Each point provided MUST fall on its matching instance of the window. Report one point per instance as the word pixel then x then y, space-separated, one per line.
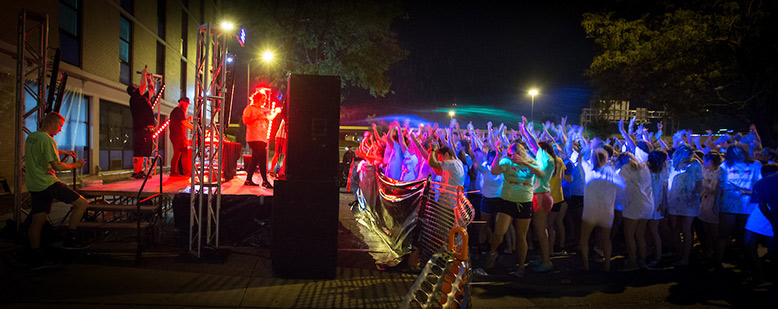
pixel 115 136
pixel 125 51
pixel 184 32
pixel 161 60
pixel 69 31
pixel 183 78
pixel 75 131
pixel 127 5
pixel 161 12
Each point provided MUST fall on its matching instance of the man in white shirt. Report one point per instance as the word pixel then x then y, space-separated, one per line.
pixel 446 164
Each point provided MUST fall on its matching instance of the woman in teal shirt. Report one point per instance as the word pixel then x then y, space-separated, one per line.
pixel 519 171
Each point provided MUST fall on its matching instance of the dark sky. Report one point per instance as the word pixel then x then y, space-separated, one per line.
pixel 490 54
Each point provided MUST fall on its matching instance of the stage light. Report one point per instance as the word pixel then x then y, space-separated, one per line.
pixel 227 26
pixel 229 59
pixel 451 113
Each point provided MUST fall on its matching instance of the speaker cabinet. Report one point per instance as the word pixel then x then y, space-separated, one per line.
pixel 313 122
pixel 304 239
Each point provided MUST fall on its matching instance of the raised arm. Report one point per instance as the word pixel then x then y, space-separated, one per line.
pixel 627 137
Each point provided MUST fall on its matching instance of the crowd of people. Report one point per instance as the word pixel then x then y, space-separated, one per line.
pixel 658 197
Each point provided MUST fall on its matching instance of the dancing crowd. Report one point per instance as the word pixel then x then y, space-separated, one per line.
pixel 660 197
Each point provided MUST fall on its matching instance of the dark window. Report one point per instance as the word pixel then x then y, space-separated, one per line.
pixel 127 5
pixel 125 50
pixel 115 136
pixel 161 12
pixel 183 78
pixel 184 32
pixel 69 31
pixel 161 60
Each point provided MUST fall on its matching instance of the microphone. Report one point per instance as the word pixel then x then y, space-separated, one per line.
pixel 152 75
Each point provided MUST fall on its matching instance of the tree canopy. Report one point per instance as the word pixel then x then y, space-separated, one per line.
pixel 690 58
pixel 351 39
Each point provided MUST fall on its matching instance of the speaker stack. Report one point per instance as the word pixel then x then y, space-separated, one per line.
pixel 305 205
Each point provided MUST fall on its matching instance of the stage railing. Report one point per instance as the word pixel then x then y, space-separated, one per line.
pixel 153 165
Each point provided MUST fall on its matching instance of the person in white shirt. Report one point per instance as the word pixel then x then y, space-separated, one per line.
pixel 445 163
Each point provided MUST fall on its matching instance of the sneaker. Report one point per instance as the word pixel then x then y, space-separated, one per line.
pixel 267 184
pixel 73 243
pixel 480 271
pixel 542 268
pixel 39 261
pixel 490 259
pixel 518 272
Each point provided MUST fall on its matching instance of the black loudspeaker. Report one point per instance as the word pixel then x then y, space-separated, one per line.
pixel 313 121
pixel 304 239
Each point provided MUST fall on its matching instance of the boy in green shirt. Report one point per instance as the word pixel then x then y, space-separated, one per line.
pixel 42 159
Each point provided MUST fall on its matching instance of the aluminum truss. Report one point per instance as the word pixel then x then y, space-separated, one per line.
pixel 31 65
pixel 207 137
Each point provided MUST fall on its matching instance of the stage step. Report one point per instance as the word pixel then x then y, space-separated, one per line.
pixel 113 225
pixel 122 208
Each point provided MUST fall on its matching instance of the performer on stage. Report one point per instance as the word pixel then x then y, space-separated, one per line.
pixel 42 159
pixel 256 117
pixel 142 122
pixel 178 125
pixel 280 149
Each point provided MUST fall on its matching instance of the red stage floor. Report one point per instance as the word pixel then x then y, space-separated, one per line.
pixel 172 186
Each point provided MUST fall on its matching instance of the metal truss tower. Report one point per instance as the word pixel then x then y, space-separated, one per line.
pixel 207 137
pixel 31 66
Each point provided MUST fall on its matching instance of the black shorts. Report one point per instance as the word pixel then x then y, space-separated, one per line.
pixel 557 206
pixel 516 210
pixel 574 201
pixel 490 205
pixel 41 200
pixel 141 143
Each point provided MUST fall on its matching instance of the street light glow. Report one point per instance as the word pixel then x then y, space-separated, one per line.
pixel 451 113
pixel 227 26
pixel 268 56
pixel 533 92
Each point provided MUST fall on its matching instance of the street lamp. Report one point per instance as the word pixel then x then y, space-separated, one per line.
pixel 533 93
pixel 267 57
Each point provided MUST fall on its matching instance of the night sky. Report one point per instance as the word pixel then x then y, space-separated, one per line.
pixel 484 55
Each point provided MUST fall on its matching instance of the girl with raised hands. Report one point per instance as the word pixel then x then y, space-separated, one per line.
pixel 519 171
pixel 683 199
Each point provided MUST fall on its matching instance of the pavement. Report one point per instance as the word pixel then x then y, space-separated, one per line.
pixel 105 277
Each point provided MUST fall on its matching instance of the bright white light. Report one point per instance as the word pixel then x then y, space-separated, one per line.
pixel 229 59
pixel 452 113
pixel 267 56
pixel 533 92
pixel 227 25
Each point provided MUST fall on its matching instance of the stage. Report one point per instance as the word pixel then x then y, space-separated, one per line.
pixel 243 208
pixel 172 186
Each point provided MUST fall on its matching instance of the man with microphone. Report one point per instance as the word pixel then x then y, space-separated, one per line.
pixel 142 122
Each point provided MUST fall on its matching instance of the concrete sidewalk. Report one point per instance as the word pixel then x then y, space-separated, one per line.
pixel 105 278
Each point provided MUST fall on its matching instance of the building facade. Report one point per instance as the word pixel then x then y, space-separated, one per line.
pixel 103 44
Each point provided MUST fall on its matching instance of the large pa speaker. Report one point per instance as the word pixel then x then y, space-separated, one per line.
pixel 313 122
pixel 304 239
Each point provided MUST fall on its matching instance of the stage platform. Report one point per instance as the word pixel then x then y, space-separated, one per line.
pixel 172 186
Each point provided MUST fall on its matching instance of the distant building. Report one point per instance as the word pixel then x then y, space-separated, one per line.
pixel 616 110
pixel 103 43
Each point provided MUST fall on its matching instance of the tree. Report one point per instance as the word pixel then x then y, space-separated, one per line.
pixel 691 58
pixel 351 39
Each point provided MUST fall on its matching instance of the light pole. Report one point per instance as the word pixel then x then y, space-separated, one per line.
pixel 533 93
pixel 267 57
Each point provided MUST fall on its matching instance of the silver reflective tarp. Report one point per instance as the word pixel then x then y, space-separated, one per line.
pixel 387 211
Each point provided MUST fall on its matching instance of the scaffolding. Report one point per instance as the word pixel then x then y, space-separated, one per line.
pixel 31 65
pixel 207 140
